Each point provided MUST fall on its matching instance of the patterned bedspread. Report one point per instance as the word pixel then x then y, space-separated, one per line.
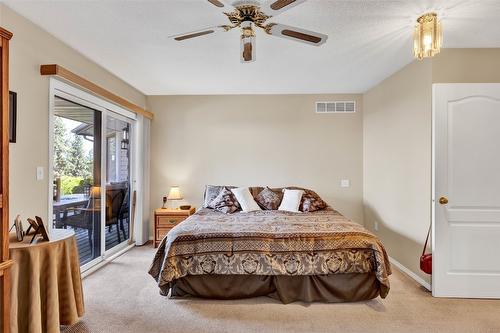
pixel 269 243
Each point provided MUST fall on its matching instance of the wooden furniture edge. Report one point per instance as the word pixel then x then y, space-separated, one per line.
pixel 6 265
pixel 57 70
pixel 5 34
pixel 164 212
pixel 175 212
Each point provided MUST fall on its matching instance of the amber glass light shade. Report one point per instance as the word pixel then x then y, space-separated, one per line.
pixel 428 36
pixel 95 192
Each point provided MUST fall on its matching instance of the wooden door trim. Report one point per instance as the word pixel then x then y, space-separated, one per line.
pixel 5 263
pixel 5 34
pixel 5 148
pixel 57 70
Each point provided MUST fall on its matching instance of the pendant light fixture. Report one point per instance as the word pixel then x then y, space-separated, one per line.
pixel 428 36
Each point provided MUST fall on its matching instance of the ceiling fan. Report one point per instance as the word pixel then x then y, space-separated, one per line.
pixel 248 14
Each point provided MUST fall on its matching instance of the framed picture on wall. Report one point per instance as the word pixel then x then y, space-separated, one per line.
pixel 12 116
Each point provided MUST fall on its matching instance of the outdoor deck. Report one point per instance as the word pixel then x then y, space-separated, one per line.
pixel 82 240
pixel 78 205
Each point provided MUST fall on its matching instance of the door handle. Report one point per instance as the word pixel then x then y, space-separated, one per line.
pixel 443 200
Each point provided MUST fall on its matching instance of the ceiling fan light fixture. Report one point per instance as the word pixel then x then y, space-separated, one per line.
pixel 247 49
pixel 248 15
pixel 247 29
pixel 428 36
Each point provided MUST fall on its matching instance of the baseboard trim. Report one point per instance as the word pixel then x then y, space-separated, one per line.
pixel 410 273
pixel 106 261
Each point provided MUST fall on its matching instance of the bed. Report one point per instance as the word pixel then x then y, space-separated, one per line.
pixel 318 256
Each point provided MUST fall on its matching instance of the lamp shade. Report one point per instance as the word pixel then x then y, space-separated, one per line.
pixel 175 193
pixel 95 192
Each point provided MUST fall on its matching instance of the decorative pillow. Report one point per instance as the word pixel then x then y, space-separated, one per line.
pixel 225 202
pixel 211 192
pixel 245 199
pixel 255 190
pixel 311 202
pixel 268 199
pixel 291 200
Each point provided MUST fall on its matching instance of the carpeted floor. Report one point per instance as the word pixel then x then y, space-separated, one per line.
pixel 122 297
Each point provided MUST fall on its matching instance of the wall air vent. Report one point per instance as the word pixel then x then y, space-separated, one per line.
pixel 336 107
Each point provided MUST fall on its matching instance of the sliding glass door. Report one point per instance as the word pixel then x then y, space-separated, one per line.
pixel 118 184
pixel 91 168
pixel 76 201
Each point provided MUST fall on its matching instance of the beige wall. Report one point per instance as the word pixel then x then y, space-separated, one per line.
pixel 31 47
pixel 397 146
pixel 397 161
pixel 273 140
pixel 466 65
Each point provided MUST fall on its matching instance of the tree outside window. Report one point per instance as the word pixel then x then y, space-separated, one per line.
pixel 73 157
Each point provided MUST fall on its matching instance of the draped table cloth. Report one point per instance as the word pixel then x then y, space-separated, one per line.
pixel 46 288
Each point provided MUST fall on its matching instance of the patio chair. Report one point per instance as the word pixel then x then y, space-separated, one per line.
pixel 114 202
pixel 123 216
pixel 83 218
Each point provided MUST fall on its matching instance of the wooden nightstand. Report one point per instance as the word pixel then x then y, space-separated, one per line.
pixel 166 219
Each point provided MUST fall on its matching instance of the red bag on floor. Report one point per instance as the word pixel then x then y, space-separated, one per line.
pixel 426 258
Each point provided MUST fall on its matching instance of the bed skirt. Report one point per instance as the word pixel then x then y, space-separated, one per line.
pixel 332 288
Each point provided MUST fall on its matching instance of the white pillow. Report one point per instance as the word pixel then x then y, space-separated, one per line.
pixel 245 199
pixel 291 200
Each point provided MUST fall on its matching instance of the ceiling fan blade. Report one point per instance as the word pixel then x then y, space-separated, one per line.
pixel 223 4
pixel 247 49
pixel 198 33
pixel 297 34
pixel 275 7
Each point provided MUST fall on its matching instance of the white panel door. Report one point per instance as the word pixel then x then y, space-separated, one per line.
pixel 466 211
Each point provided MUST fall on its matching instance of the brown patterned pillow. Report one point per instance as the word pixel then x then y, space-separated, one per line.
pixel 225 202
pixel 311 202
pixel 268 199
pixel 255 190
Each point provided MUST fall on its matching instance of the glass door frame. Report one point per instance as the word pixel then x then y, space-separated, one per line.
pixel 79 96
pixel 104 158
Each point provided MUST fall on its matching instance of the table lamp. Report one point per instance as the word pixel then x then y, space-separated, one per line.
pixel 95 192
pixel 174 194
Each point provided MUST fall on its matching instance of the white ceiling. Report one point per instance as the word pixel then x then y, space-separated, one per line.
pixel 368 41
